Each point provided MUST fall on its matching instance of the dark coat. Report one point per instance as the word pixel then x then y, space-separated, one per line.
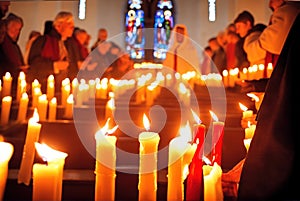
pixel 271 168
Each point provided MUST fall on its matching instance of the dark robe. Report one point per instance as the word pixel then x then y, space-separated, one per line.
pixel 271 170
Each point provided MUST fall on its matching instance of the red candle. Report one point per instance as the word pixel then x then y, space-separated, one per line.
pixel 194 189
pixel 217 139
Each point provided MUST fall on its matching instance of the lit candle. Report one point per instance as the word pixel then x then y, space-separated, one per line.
pixel 195 178
pixel 269 70
pixel 212 182
pixel 257 98
pixel 52 109
pixel 110 107
pixel 5 110
pixel 50 87
pixel 69 107
pixel 47 178
pixel 246 113
pixel 23 106
pixel 21 85
pixel 32 136
pixel 244 74
pixel 35 97
pixel 74 85
pixel 105 163
pixel 181 153
pixel 249 132
pixel 35 84
pixel 247 143
pixel 42 107
pixel 217 139
pixel 225 78
pixel 148 163
pixel 7 82
pixel 6 151
pixel 65 92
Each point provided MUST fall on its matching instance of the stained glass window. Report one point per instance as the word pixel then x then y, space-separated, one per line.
pixel 135 23
pixel 163 25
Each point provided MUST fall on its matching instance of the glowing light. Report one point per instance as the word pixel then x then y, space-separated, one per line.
pixel 146 122
pixel 82 9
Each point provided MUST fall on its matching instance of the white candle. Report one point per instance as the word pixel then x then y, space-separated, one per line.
pixel 52 109
pixel 65 92
pixel 32 136
pixel 225 78
pixel 5 110
pixel 212 183
pixel 47 178
pixel 35 84
pixel 148 163
pixel 246 113
pixel 42 107
pixel 105 164
pixel 69 107
pixel 23 106
pixel 181 152
pixel 35 97
pixel 21 85
pixel 6 151
pixel 7 82
pixel 50 87
pixel 269 70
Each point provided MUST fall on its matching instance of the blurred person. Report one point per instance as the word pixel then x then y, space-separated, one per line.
pixel 11 57
pixel 182 54
pixel 219 55
pixel 51 55
pixel 206 62
pixel 101 37
pixel 32 36
pixel 249 31
pixel 4 7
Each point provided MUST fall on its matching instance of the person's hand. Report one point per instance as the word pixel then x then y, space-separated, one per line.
pixel 245 86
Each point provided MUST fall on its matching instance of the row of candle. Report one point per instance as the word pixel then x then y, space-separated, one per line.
pixel 181 153
pixel 254 72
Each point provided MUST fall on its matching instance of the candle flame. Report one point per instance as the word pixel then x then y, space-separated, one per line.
pixel 196 117
pixel 49 154
pixel 50 78
pixel 243 107
pixel 7 99
pixel 70 99
pixel 186 132
pixel 249 124
pixel 253 96
pixel 105 129
pixel 206 160
pixel 6 151
pixel 21 75
pixel 35 117
pixel 7 75
pixel 24 95
pixel 213 115
pixel 53 100
pixel 146 122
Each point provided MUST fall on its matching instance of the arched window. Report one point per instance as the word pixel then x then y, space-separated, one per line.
pixel 163 24
pixel 135 23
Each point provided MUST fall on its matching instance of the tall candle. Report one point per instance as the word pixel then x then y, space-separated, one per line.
pixel 52 109
pixel 217 139
pixel 35 84
pixel 32 136
pixel 6 151
pixel 5 110
pixel 148 163
pixel 47 178
pixel 69 107
pixel 181 152
pixel 225 78
pixel 110 107
pixel 50 87
pixel 105 164
pixel 21 85
pixel 65 92
pixel 212 182
pixel 35 97
pixel 7 82
pixel 195 178
pixel 23 106
pixel 42 107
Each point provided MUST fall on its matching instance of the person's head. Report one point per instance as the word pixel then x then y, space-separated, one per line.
pixel 14 25
pixel 48 25
pixel 2 30
pixel 243 23
pixel 4 7
pixel 213 44
pixel 81 35
pixel 231 27
pixel 180 34
pixel 64 24
pixel 274 4
pixel 102 34
pixel 208 51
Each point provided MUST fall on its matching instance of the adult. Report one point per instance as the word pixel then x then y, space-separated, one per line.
pixel 101 37
pixel 4 7
pixel 219 55
pixel 51 55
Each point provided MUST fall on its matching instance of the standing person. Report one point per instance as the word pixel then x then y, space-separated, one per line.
pixel 102 36
pixel 51 55
pixel 182 55
pixel 4 7
pixel 32 36
pixel 245 27
pixel 271 167
pixel 219 55
pixel 11 57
